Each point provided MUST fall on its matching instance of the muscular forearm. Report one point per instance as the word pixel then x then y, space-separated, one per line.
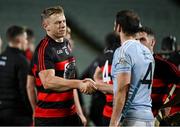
pixel 60 84
pixel 104 87
pixel 50 81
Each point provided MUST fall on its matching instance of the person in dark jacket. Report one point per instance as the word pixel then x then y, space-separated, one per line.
pixel 14 104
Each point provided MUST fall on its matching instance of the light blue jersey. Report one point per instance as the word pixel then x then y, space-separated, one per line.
pixel 134 58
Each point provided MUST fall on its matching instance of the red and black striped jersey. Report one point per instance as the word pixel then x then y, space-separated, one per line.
pixel 165 74
pixel 105 63
pixel 50 54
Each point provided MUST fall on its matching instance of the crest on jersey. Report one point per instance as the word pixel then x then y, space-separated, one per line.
pixel 122 61
pixel 70 70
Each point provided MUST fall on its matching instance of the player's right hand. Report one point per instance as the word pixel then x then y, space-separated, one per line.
pixel 88 86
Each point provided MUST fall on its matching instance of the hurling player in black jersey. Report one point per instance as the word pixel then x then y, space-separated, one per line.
pixel 53 68
pixel 102 75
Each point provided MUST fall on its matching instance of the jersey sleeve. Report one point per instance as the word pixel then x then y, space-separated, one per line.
pixel 45 59
pixel 123 62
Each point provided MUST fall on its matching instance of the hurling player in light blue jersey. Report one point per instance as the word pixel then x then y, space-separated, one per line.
pixel 132 72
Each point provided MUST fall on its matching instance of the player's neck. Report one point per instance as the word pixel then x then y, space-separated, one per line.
pixel 59 40
pixel 15 45
pixel 124 38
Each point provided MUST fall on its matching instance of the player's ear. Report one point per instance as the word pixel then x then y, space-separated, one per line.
pixel 117 28
pixel 45 25
pixel 153 42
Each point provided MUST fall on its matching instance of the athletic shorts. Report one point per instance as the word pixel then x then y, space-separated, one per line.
pixel 137 123
pixel 72 120
pixel 105 121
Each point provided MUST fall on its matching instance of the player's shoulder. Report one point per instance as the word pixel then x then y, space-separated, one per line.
pixel 129 47
pixel 117 51
pixel 129 44
pixel 42 48
pixel 43 44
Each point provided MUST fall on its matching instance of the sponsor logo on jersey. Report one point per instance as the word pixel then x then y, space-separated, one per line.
pixel 59 51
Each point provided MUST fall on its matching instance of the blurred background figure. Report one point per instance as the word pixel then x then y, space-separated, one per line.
pixel 170 50
pixel 14 105
pixel 30 45
pixel 169 44
pixel 103 74
pixel 68 36
pixel 1 44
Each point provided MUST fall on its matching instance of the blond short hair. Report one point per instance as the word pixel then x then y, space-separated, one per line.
pixel 50 11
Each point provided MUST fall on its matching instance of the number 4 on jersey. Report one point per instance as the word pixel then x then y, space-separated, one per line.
pixel 106 77
pixel 148 76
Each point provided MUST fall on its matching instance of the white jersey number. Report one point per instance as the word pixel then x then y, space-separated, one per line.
pixel 106 77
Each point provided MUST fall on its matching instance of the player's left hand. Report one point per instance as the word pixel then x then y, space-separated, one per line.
pixel 83 120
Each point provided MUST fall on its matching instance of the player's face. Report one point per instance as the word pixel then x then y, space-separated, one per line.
pixel 146 40
pixel 142 36
pixel 56 25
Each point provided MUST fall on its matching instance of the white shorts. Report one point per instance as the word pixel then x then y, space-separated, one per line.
pixel 137 123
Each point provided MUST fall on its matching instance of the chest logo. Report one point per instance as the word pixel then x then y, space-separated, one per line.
pixel 59 51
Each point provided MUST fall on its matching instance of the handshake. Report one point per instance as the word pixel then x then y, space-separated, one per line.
pixel 88 86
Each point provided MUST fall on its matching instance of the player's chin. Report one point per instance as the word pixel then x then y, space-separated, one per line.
pixel 60 35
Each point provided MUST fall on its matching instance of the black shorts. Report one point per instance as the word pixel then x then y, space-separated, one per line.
pixel 105 121
pixel 72 120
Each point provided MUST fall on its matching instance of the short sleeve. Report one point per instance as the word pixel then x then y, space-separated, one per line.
pixel 45 59
pixel 123 62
